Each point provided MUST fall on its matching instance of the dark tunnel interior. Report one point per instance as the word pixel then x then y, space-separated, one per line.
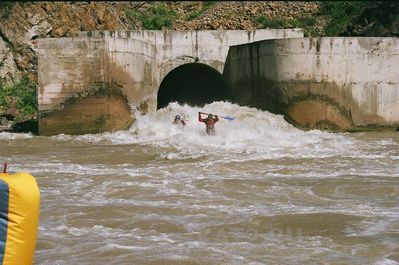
pixel 194 84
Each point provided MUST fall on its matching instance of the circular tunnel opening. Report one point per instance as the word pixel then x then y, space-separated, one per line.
pixel 194 84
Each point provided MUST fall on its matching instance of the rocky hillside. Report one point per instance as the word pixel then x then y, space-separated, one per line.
pixel 21 24
pixel 231 15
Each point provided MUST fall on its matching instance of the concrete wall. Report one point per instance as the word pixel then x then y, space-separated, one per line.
pixel 75 92
pixel 68 68
pixel 327 83
pixel 209 46
pixel 127 65
pixel 132 70
pixel 175 48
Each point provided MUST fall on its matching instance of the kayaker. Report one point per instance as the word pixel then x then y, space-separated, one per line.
pixel 178 121
pixel 209 122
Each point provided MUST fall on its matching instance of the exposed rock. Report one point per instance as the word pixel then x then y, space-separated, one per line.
pixel 28 21
pixel 21 23
pixel 240 15
pixel 8 68
pixel 11 110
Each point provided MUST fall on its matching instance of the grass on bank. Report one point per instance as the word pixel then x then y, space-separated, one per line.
pixel 307 22
pixel 205 6
pixel 21 94
pixel 340 14
pixel 158 16
pixel 337 13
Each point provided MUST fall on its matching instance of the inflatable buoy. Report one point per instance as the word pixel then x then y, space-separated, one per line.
pixel 19 218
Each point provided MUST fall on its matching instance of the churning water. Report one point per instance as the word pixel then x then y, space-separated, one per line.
pixel 259 192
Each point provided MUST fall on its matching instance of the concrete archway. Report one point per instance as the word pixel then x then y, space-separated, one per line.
pixel 195 84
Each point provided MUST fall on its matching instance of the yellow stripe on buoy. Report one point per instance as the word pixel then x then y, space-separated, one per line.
pixel 19 218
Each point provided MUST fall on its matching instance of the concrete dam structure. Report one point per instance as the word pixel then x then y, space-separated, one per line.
pixel 91 82
pixel 340 83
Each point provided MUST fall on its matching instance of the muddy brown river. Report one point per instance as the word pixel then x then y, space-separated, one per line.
pixel 259 192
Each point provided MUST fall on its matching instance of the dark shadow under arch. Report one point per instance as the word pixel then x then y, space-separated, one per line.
pixel 194 84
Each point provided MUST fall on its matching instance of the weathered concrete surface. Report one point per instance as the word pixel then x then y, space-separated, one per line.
pixel 95 114
pixel 80 68
pixel 131 64
pixel 70 69
pixel 326 83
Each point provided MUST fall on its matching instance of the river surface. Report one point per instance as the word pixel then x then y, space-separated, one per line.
pixel 259 192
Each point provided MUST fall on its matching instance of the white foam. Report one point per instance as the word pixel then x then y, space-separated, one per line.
pixel 14 136
pixel 386 262
pixel 118 246
pixel 253 132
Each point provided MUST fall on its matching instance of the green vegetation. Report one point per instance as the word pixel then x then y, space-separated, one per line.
pixel 337 14
pixel 158 16
pixel 6 8
pixel 307 23
pixel 304 22
pixel 205 6
pixel 340 14
pixel 208 4
pixel 22 95
pixel 193 15
pixel 276 22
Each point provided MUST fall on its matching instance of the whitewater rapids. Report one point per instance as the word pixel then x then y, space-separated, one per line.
pixel 258 192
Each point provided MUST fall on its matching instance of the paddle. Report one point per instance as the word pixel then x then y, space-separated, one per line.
pixel 226 117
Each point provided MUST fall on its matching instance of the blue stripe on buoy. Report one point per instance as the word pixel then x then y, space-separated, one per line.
pixel 4 195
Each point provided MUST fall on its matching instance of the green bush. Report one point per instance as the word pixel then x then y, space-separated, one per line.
pixel 304 22
pixel 340 14
pixel 23 94
pixel 307 23
pixel 208 4
pixel 205 6
pixel 158 16
pixel 193 15
pixel 6 9
pixel 132 14
pixel 276 22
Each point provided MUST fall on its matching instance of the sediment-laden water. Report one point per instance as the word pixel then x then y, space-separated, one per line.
pixel 259 192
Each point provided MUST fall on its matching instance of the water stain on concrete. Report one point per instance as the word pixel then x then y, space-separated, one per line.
pixel 92 114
